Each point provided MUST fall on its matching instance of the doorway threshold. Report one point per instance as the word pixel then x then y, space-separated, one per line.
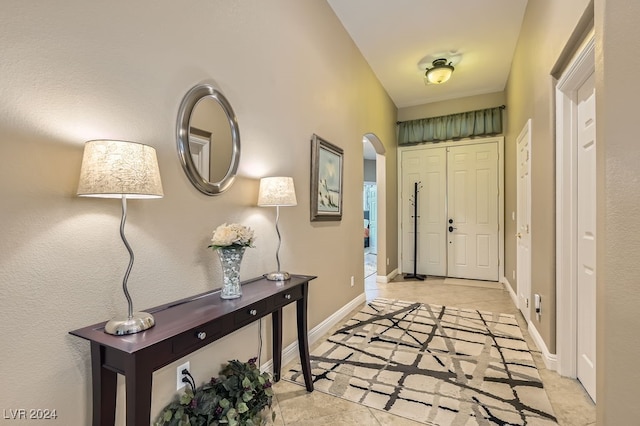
pixel 473 283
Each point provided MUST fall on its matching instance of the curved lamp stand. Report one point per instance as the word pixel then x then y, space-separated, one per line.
pixel 277 191
pixel 278 275
pixel 121 169
pixel 135 322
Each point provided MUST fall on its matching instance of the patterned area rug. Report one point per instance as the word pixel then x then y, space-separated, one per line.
pixel 433 364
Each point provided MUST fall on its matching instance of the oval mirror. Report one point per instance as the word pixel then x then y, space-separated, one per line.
pixel 208 139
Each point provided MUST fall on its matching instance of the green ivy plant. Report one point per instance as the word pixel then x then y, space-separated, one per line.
pixel 237 397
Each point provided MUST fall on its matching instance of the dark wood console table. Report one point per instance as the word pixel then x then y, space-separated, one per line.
pixel 181 328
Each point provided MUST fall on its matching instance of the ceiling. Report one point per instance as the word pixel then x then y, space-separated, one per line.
pixel 400 38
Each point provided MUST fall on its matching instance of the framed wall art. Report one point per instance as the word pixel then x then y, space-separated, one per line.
pixel 326 180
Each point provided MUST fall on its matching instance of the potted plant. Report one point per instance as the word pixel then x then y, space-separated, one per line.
pixel 239 396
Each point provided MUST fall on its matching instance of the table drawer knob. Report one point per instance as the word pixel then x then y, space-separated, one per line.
pixel 253 312
pixel 287 296
pixel 202 335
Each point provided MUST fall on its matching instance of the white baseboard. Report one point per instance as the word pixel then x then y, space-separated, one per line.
pixel 387 278
pixel 291 352
pixel 509 288
pixel 550 360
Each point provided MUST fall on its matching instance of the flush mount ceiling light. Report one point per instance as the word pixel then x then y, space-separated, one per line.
pixel 440 72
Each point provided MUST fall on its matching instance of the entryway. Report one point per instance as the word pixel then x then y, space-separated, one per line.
pixel 451 201
pixel 370 210
pixel 373 206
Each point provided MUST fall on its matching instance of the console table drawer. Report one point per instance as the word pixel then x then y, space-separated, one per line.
pixel 286 297
pixel 202 335
pixel 250 313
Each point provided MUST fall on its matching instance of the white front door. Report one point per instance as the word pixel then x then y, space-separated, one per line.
pixel 428 168
pixel 472 226
pixel 523 222
pixel 586 247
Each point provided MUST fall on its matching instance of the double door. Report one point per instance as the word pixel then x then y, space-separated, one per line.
pixel 457 208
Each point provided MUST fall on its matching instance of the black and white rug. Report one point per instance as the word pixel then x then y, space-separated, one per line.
pixel 434 364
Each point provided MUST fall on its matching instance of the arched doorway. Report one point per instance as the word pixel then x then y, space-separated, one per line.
pixel 374 207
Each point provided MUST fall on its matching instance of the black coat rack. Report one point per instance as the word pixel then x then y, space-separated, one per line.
pixel 414 201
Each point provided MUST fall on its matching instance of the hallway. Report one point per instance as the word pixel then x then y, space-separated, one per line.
pixel 294 406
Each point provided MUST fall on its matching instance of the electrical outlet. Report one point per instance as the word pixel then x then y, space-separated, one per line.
pixel 179 383
pixel 513 274
pixel 537 304
pixel 387 261
pixel 352 281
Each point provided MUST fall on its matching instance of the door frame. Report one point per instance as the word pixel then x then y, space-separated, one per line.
pixel 523 275
pixel 580 68
pixel 477 141
pixel 382 275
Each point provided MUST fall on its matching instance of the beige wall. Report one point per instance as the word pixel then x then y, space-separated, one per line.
pixel 453 106
pixel 74 71
pixel 546 28
pixel 618 195
pixel 369 170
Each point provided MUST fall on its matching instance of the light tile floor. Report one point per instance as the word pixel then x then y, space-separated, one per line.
pixel 295 406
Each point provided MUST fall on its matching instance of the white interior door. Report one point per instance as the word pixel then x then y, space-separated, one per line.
pixel 523 221
pixel 472 226
pixel 586 233
pixel 428 167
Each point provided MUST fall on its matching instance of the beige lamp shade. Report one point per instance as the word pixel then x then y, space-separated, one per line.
pixel 112 169
pixel 277 191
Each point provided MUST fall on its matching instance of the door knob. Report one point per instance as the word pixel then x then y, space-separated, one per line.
pixel 519 235
pixel 450 220
pixel 451 229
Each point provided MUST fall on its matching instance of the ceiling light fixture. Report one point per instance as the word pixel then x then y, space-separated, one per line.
pixel 440 73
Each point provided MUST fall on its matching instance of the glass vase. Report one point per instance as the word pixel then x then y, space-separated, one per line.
pixel 230 259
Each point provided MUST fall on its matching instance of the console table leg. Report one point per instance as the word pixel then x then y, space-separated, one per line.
pixel 303 338
pixel 104 388
pixel 138 380
pixel 276 325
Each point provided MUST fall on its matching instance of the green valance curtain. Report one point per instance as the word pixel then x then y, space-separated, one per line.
pixel 482 122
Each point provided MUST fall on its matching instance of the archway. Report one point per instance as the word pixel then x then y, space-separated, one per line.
pixel 374 151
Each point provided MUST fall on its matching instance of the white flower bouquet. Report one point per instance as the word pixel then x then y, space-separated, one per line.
pixel 232 235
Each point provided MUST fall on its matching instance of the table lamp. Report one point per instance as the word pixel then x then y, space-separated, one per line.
pixel 120 169
pixel 277 191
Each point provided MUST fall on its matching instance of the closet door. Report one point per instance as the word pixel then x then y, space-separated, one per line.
pixel 472 227
pixel 428 167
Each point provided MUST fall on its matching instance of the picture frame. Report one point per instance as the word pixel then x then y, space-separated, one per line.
pixel 327 163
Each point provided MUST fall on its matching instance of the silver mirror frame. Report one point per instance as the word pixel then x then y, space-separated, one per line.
pixel 184 152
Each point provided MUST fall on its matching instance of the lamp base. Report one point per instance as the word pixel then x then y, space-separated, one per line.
pixel 138 322
pixel 277 276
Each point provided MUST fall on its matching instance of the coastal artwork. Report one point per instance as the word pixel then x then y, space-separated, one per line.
pixel 326 180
